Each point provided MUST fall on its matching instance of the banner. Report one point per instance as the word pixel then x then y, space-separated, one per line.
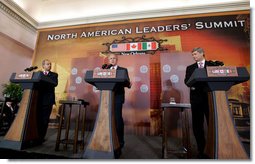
pixel 156 78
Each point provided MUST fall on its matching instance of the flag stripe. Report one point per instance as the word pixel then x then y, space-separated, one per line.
pixel 144 45
pixel 139 46
pixel 128 46
pixel 153 45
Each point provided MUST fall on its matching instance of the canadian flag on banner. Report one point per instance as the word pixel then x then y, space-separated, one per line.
pixel 132 46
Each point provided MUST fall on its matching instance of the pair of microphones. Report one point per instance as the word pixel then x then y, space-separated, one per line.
pixel 29 69
pixel 216 63
pixel 106 66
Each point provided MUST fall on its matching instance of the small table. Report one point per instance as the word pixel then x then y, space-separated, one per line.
pixel 66 140
pixel 185 127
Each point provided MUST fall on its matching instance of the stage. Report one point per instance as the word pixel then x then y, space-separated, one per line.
pixel 136 147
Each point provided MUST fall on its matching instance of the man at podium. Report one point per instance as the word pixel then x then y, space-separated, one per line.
pixel 46 99
pixel 119 93
pixel 198 99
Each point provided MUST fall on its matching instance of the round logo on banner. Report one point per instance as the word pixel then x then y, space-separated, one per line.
pixel 78 80
pixel 174 79
pixel 143 69
pixel 74 71
pixel 166 68
pixel 72 88
pixel 144 88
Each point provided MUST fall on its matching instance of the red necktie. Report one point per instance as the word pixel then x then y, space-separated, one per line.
pixel 45 73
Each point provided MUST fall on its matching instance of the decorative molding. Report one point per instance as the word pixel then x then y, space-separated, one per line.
pixel 180 11
pixel 18 10
pixel 9 12
pixel 237 6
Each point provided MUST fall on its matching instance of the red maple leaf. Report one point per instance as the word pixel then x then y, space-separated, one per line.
pixel 133 46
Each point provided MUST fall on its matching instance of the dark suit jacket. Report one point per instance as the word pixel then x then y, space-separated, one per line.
pixel 197 92
pixel 47 91
pixel 119 89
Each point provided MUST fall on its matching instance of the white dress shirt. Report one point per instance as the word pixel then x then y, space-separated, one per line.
pixel 114 67
pixel 202 64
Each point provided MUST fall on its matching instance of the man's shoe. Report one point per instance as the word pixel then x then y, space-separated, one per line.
pixel 117 153
pixel 122 144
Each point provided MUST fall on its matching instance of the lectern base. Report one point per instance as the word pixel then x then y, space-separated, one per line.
pixel 18 145
pixel 24 127
pixel 223 141
pixel 15 145
pixel 104 140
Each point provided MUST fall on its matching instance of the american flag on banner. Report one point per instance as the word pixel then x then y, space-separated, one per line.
pixel 118 47
pixel 136 46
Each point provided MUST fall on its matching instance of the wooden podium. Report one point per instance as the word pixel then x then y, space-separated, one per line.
pixel 23 130
pixel 222 141
pixel 104 142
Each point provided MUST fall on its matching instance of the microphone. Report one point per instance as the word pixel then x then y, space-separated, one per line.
pixel 104 66
pixel 219 63
pixel 109 66
pixel 29 69
pixel 216 63
pixel 35 67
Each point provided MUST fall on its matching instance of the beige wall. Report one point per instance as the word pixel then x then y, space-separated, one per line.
pixel 11 25
pixel 14 57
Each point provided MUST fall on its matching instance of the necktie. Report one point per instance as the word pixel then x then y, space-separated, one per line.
pixel 45 73
pixel 200 64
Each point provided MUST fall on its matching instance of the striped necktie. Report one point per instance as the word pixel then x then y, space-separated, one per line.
pixel 200 65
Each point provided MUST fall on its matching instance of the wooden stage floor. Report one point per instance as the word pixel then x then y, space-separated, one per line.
pixel 136 147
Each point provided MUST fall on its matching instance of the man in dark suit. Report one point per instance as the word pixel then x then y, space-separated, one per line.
pixel 198 100
pixel 119 93
pixel 46 98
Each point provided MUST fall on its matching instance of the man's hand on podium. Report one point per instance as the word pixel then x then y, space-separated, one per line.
pixel 130 84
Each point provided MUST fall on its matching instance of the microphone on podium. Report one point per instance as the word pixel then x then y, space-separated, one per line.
pixel 216 63
pixel 219 63
pixel 29 69
pixel 109 66
pixel 106 66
